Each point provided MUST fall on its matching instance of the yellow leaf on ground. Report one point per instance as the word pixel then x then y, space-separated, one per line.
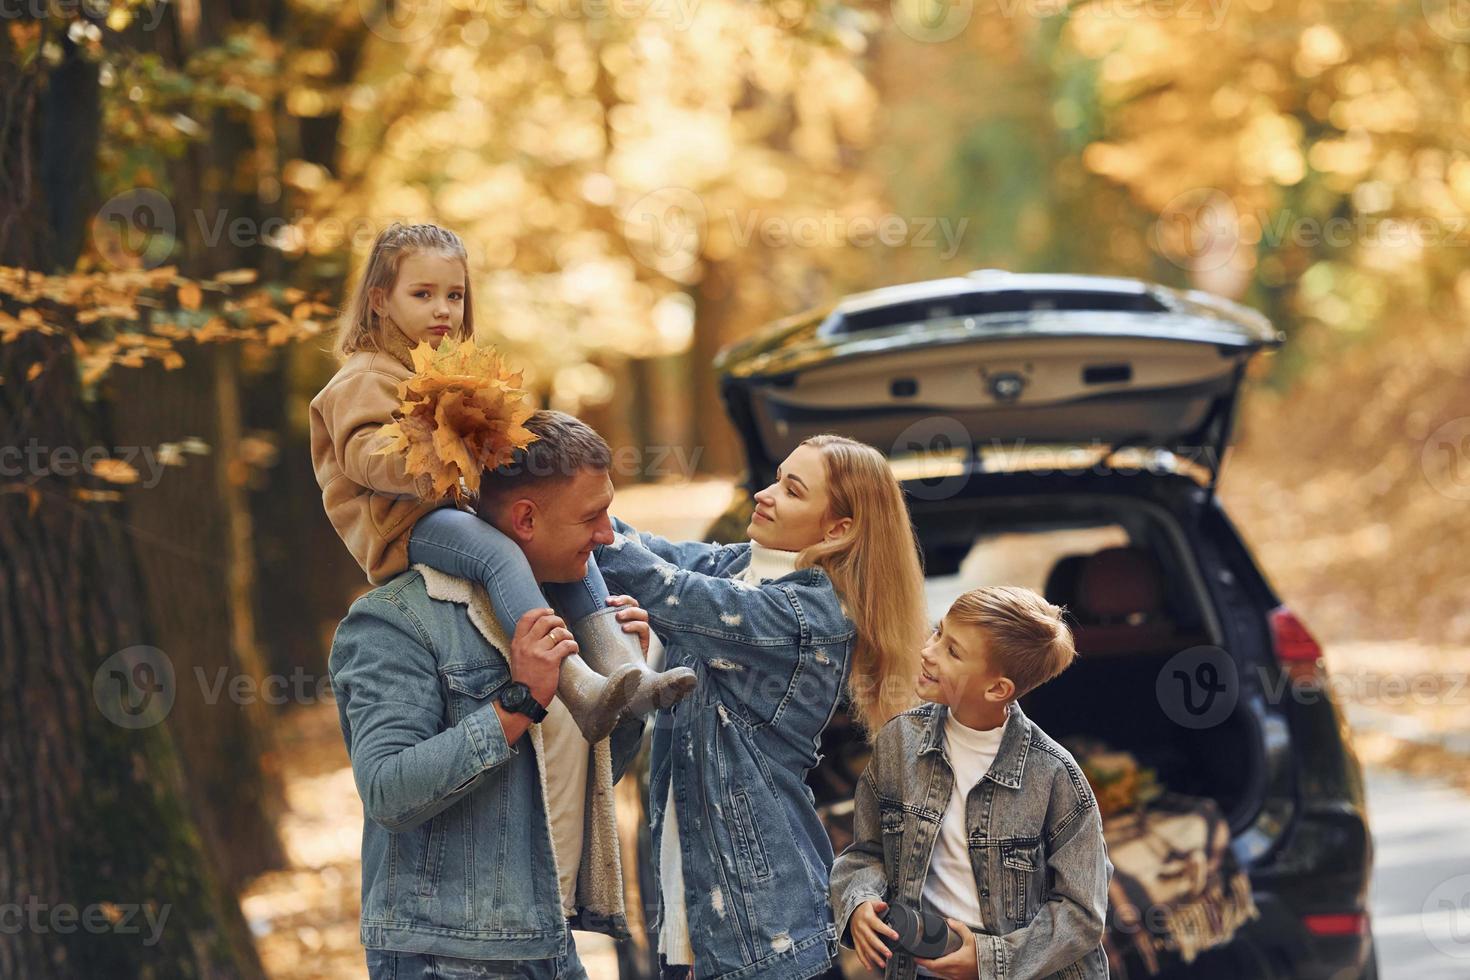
pixel 115 471
pixel 190 296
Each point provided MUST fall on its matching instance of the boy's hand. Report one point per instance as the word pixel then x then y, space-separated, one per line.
pixel 633 617
pixel 959 965
pixel 541 643
pixel 867 930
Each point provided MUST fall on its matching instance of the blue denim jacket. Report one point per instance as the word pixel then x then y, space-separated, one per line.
pixel 771 661
pixel 1036 847
pixel 457 854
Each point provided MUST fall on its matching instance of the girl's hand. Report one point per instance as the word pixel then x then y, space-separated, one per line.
pixel 959 965
pixel 633 617
pixel 867 929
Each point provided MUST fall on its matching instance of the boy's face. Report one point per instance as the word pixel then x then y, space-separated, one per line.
pixel 955 668
pixel 427 301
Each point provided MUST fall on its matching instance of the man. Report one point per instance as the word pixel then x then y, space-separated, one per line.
pixel 489 827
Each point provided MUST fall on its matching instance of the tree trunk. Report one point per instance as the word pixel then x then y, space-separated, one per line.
pixel 100 856
pixel 100 860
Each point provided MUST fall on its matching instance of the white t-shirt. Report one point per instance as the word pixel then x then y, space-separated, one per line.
pixel 565 765
pixel 949 888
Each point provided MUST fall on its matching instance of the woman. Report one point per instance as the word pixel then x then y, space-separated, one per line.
pixel 828 593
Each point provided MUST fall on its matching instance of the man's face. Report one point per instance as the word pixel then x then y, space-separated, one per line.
pixel 562 523
pixel 955 667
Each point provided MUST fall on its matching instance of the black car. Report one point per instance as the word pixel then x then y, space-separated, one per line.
pixel 1066 433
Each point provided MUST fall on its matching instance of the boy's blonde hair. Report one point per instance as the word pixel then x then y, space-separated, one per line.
pixel 360 326
pixel 1028 640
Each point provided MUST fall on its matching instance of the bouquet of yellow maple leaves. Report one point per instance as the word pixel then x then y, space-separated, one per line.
pixel 462 413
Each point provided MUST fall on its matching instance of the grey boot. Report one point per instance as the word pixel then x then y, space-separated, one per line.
pixel 607 648
pixel 595 702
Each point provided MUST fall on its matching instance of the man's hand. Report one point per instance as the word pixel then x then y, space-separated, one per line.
pixel 959 965
pixel 867 928
pixel 541 643
pixel 633 617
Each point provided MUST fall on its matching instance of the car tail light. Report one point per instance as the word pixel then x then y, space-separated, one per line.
pixel 1339 924
pixel 1297 650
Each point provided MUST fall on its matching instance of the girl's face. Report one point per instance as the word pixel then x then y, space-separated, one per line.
pixel 427 301
pixel 792 513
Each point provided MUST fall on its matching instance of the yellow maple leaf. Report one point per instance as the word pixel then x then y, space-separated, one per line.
pixel 461 413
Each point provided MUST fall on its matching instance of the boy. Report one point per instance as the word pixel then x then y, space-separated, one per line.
pixel 970 810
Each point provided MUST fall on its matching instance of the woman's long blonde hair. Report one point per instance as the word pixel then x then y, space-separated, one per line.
pixel 361 326
pixel 876 572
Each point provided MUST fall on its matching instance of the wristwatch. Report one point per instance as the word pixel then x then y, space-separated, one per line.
pixel 516 697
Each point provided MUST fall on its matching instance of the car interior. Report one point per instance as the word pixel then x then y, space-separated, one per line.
pixel 1134 598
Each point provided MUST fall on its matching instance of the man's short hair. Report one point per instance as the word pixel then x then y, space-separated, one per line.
pixel 565 446
pixel 1027 638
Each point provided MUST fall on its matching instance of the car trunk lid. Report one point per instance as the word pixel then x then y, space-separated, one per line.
pixel 997 358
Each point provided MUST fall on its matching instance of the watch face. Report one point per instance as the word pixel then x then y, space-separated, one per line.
pixel 514 696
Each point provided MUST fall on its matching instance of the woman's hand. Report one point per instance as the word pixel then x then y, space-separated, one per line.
pixel 868 928
pixel 959 965
pixel 633 617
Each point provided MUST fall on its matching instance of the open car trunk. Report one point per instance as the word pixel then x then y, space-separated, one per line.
pixel 995 356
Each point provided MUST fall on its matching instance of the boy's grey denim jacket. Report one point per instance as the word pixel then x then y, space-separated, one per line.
pixel 771 661
pixel 457 854
pixel 1036 847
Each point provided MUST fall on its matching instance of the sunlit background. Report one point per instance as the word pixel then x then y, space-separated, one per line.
pixel 188 188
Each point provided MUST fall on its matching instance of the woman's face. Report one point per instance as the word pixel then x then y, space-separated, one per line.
pixel 792 513
pixel 427 301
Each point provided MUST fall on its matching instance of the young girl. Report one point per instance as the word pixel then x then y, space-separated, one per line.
pixel 827 597
pixel 415 290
